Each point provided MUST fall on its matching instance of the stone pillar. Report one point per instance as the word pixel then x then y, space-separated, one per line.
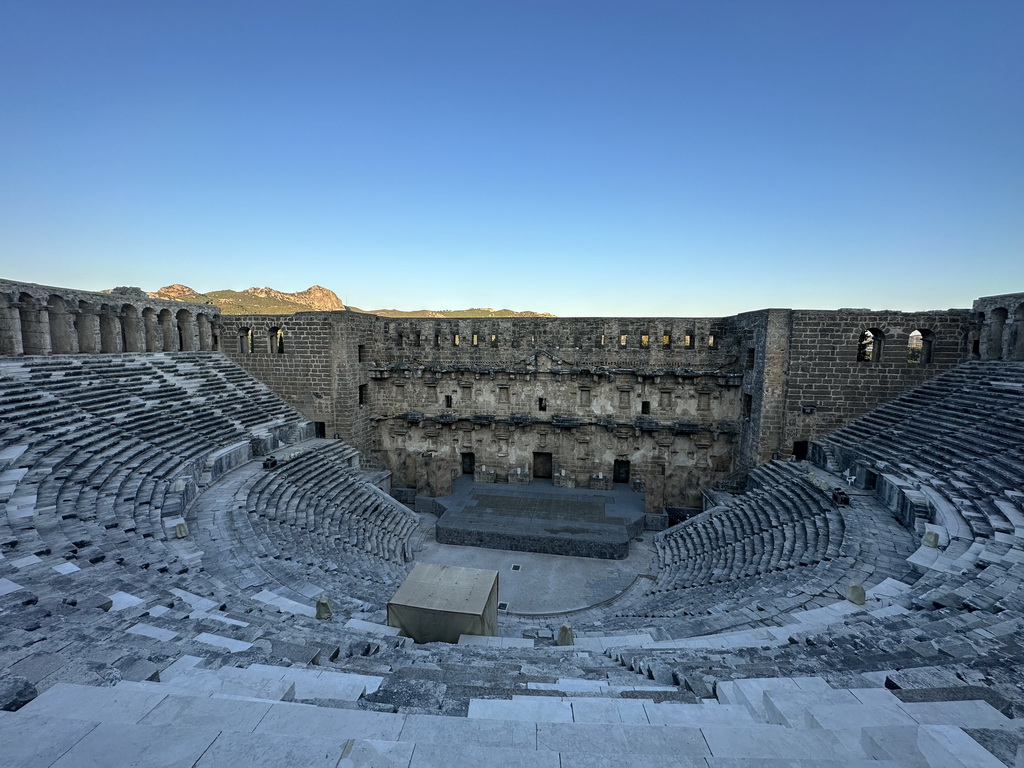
pixel 10 331
pixel 131 329
pixel 110 331
pixel 186 331
pixel 151 331
pixel 35 327
pixel 205 336
pixel 63 337
pixel 88 329
pixel 170 332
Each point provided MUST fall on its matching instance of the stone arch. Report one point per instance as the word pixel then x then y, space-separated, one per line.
pixel 168 331
pixel 63 339
pixel 35 326
pixel 995 333
pixel 871 345
pixel 275 340
pixel 921 346
pixel 1017 350
pixel 131 329
pixel 110 330
pixel 245 341
pixel 87 323
pixel 151 330
pixel 203 331
pixel 186 331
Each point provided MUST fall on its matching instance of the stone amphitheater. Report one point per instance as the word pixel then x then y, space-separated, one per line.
pixel 830 573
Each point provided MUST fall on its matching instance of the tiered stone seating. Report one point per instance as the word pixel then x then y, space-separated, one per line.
pixel 742 642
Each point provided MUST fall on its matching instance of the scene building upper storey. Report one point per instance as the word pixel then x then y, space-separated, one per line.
pixel 673 406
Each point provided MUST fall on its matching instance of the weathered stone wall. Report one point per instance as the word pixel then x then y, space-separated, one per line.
pixel 827 385
pixel 311 359
pixel 997 327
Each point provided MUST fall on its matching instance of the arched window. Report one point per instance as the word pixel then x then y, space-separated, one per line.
pixel 275 341
pixel 870 345
pixel 244 341
pixel 919 347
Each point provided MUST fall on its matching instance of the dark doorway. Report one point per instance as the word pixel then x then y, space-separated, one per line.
pixel 468 463
pixel 620 474
pixel 320 428
pixel 542 465
pixel 800 450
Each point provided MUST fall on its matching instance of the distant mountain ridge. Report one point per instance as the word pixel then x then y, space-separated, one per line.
pixel 316 298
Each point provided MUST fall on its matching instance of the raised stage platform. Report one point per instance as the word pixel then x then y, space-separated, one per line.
pixel 541 518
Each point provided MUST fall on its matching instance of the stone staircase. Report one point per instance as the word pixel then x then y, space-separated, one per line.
pixel 283 716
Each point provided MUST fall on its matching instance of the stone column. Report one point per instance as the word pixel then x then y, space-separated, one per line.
pixel 10 331
pixel 35 328
pixel 186 330
pixel 88 329
pixel 205 336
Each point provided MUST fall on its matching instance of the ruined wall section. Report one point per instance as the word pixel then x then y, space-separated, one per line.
pixel 766 338
pixel 828 385
pixel 352 335
pixel 312 360
pixel 997 327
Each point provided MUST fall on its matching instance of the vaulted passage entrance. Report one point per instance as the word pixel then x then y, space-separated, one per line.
pixel 468 463
pixel 621 472
pixel 542 465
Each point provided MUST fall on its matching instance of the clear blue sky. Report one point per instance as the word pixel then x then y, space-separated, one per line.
pixel 580 158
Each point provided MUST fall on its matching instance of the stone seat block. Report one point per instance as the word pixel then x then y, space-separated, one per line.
pixel 926 746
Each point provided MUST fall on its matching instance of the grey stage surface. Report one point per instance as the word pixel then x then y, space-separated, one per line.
pixel 541 518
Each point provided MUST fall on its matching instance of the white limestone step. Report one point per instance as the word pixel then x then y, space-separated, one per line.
pixel 602 687
pixel 496 642
pixel 926 746
pixel 550 709
pixel 790 707
pixel 320 683
pixel 750 692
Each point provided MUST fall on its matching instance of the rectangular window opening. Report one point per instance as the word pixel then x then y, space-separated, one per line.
pixel 666 340
pixel 362 394
pixel 645 407
pixel 542 404
pixel 361 353
pixel 447 401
